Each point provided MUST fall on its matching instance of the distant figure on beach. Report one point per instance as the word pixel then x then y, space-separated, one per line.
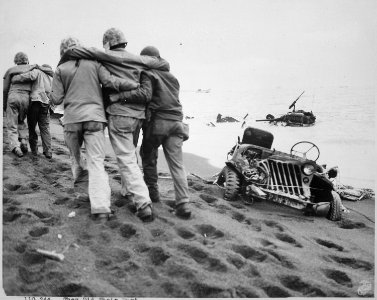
pixel 77 84
pixel 163 126
pixel 221 119
pixel 124 119
pixel 41 78
pixel 16 97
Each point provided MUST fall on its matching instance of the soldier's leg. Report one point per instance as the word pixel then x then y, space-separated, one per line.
pixel 23 132
pixel 149 156
pixel 32 120
pixel 12 121
pixel 172 147
pixel 73 136
pixel 121 138
pixel 99 187
pixel 44 128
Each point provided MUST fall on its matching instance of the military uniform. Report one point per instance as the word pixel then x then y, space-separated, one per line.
pixel 41 79
pixel 16 98
pixel 160 90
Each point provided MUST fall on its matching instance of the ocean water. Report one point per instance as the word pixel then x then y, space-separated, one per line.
pixel 344 130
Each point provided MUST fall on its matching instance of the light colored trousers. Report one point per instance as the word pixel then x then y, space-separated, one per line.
pixel 92 134
pixel 121 130
pixel 17 109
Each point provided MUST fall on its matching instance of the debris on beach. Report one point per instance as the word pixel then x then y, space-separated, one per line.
pixel 51 254
pixel 292 118
pixel 71 214
pixel 227 119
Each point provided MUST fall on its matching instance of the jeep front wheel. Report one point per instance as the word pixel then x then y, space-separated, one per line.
pixel 232 184
pixel 335 211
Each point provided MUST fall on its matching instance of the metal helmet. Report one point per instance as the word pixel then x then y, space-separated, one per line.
pixel 114 37
pixel 21 58
pixel 67 43
pixel 150 51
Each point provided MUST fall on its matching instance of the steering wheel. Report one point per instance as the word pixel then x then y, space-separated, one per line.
pixel 304 148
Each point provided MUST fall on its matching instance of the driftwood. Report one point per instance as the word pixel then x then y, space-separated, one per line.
pixel 51 254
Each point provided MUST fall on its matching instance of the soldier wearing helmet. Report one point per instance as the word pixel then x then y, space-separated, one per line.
pixel 114 38
pixel 163 126
pixel 16 104
pixel 124 119
pixel 77 84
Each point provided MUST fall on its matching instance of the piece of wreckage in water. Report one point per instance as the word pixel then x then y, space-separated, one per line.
pixel 294 117
pixel 255 171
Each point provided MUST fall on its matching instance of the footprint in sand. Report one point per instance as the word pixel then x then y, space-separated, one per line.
pixel 222 209
pixel 31 274
pixel 127 231
pixel 61 200
pixel 185 233
pixel 20 247
pixel 174 290
pixel 288 239
pixel 208 198
pixel 283 260
pixel 209 231
pixel 274 291
pixel 38 231
pixel 174 270
pixel 241 218
pixel 40 214
pixel 348 224
pixel 338 276
pixel 238 217
pixel 32 258
pixel 10 216
pixel 249 253
pixel 203 290
pixel 267 243
pixel 158 256
pixel 329 244
pixel 245 292
pixel 274 224
pixel 236 261
pixel 11 187
pixel 353 262
pixel 34 186
pixel 296 283
pixel 72 290
pixel 203 258
pixel 119 255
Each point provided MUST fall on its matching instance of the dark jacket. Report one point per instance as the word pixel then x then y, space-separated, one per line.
pixel 160 90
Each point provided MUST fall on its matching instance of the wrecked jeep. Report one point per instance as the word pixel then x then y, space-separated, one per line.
pixel 255 171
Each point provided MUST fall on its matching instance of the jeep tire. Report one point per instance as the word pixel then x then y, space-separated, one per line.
pixel 232 184
pixel 335 211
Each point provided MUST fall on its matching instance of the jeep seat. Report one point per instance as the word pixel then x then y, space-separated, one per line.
pixel 257 137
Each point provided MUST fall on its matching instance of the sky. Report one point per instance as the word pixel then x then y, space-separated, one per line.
pixel 217 44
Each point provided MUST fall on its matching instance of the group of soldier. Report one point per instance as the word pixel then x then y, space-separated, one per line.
pixel 114 89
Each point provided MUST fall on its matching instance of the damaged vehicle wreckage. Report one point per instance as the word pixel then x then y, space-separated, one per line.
pixel 293 118
pixel 255 171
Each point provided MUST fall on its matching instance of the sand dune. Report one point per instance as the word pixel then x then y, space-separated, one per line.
pixel 226 249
